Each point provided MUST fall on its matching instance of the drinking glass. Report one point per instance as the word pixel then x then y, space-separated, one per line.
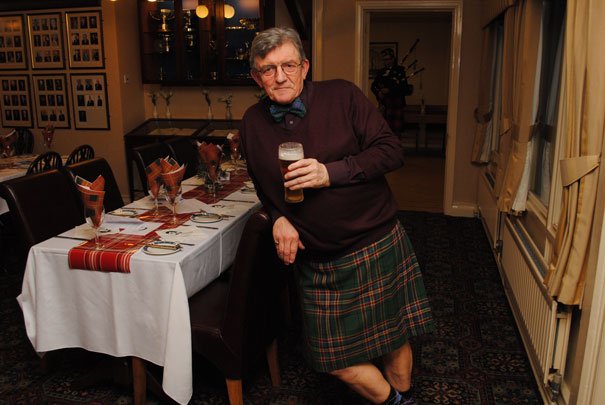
pixel 95 222
pixel 173 199
pixel 288 153
pixel 234 148
pixel 155 196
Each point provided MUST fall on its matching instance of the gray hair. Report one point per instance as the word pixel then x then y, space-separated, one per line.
pixel 270 39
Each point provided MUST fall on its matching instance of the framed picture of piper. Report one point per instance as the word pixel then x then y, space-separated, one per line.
pixel 89 92
pixel 85 39
pixel 12 43
pixel 46 41
pixel 50 98
pixel 15 101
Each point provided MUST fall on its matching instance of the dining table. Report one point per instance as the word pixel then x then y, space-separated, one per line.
pixel 139 311
pixel 13 167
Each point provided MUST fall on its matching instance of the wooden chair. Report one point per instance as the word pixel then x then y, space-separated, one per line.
pixel 185 152
pixel 25 141
pixel 144 155
pixel 47 161
pixel 42 205
pixel 236 318
pixel 90 170
pixel 81 153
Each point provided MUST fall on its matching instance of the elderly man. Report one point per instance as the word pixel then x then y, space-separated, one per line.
pixel 360 285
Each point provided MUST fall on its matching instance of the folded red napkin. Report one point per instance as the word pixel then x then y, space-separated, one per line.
pixel 48 133
pixel 154 178
pixel 233 139
pixel 210 155
pixel 8 143
pixel 92 194
pixel 172 175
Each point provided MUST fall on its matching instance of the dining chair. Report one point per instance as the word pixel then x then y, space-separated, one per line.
pixel 145 155
pixel 25 141
pixel 236 319
pixel 46 161
pixel 90 170
pixel 42 205
pixel 80 153
pixel 185 152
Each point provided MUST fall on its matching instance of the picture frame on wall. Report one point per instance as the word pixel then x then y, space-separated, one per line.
pixel 89 92
pixel 376 62
pixel 15 101
pixel 51 101
pixel 12 43
pixel 85 39
pixel 46 41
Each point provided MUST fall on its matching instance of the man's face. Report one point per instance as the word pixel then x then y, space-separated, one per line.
pixel 282 88
pixel 388 60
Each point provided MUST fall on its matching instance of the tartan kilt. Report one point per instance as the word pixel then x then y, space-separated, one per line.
pixel 363 305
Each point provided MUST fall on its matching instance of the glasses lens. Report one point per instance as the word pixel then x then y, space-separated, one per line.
pixel 289 68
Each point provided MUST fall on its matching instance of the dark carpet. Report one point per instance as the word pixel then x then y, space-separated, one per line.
pixel 475 356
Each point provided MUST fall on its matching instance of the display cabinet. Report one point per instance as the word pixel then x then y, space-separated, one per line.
pixel 203 42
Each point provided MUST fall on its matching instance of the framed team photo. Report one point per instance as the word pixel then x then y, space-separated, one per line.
pixel 15 101
pixel 89 93
pixel 85 39
pixel 12 43
pixel 50 99
pixel 46 41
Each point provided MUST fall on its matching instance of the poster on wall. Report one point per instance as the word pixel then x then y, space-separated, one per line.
pixel 85 39
pixel 16 103
pixel 90 101
pixel 12 43
pixel 46 41
pixel 50 98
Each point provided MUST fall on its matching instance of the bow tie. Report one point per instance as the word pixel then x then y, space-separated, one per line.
pixel 296 107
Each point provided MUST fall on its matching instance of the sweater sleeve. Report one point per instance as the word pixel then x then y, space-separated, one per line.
pixel 380 150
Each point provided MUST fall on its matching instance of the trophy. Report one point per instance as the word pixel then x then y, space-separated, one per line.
pixel 164 31
pixel 189 30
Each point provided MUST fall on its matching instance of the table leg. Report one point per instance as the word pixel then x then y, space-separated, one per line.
pixel 139 381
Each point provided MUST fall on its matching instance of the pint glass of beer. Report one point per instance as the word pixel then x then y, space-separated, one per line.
pixel 289 153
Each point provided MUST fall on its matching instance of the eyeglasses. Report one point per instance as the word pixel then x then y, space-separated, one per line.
pixel 288 68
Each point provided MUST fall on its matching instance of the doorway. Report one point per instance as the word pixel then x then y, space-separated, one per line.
pixel 365 10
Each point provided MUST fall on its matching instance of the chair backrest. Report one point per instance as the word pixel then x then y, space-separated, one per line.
pixel 25 141
pixel 79 154
pixel 42 205
pixel 185 152
pixel 90 170
pixel 247 306
pixel 145 155
pixel 46 161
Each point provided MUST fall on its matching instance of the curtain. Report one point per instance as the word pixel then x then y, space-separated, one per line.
pixel 513 159
pixel 582 124
pixel 493 8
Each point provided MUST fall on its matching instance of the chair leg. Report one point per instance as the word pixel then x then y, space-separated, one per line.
pixel 273 361
pixel 234 389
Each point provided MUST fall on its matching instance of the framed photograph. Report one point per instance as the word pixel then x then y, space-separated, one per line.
pixel 50 98
pixel 12 43
pixel 15 101
pixel 376 62
pixel 46 41
pixel 89 93
pixel 85 39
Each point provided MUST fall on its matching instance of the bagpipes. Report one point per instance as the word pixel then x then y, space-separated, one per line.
pixel 410 88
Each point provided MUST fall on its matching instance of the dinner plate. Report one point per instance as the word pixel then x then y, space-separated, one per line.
pixel 163 248
pixel 125 212
pixel 206 217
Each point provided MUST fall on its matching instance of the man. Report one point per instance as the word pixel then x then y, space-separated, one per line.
pixel 390 88
pixel 360 286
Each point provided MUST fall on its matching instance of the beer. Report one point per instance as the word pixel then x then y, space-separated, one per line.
pixel 289 153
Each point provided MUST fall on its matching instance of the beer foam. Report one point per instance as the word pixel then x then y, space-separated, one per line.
pixel 291 154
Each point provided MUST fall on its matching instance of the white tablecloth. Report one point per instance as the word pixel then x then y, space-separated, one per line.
pixel 144 313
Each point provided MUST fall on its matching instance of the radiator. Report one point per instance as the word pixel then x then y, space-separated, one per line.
pixel 544 324
pixel 488 210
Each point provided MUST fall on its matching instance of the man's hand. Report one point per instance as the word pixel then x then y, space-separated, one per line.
pixel 286 240
pixel 307 173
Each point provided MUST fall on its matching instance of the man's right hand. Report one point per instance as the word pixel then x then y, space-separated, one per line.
pixel 286 240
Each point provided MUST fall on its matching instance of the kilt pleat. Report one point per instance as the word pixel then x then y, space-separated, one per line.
pixel 363 305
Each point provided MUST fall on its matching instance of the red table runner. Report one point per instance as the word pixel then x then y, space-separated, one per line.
pixel 118 248
pixel 236 182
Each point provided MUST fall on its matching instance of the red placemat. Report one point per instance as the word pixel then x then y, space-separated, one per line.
pixel 236 182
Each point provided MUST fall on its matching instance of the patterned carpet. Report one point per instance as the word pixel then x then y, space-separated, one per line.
pixel 474 357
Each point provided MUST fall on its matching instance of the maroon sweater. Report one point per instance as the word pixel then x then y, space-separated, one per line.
pixel 343 130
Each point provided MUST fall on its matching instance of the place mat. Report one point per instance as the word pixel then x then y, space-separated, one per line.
pixel 235 183
pixel 113 257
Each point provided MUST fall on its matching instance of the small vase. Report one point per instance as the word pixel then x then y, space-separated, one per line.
pixel 228 115
pixel 210 116
pixel 155 112
pixel 168 115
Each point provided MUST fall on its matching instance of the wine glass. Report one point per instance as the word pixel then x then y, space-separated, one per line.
pixel 173 197
pixel 234 148
pixel 154 192
pixel 94 221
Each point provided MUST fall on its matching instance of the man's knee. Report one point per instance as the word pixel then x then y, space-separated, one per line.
pixel 348 374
